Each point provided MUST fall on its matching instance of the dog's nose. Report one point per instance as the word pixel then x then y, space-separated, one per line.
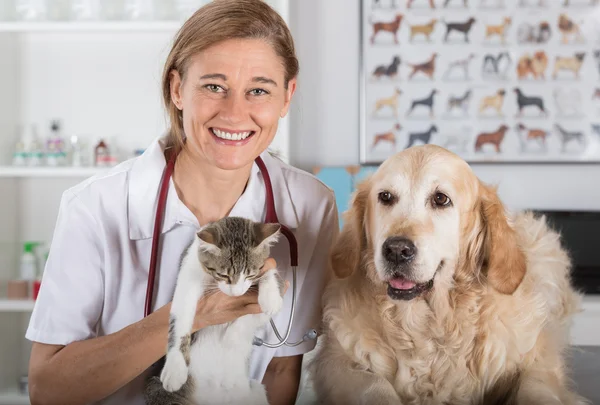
pixel 399 250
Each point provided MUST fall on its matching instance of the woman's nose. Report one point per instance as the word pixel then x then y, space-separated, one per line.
pixel 234 109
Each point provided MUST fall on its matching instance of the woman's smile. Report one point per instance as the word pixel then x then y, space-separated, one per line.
pixel 230 137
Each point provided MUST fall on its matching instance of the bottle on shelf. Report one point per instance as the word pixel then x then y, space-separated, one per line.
pixel 28 268
pixel 35 153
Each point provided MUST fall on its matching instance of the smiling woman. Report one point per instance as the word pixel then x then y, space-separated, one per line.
pixel 228 79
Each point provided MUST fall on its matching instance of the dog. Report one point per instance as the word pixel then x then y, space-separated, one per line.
pixel 439 296
pixel 391 101
pixel 389 136
pixel 460 102
pixel 495 101
pixel 568 136
pixel 464 27
pixel 465 3
pixel 568 101
pixel 495 138
pixel 499 30
pixel 535 65
pixel 427 102
pixel 531 134
pixel 456 140
pixel 424 29
pixel 524 101
pixel 568 27
pixel 571 63
pixel 424 137
pixel 390 71
pixel 410 2
pixel 460 63
pixel 427 68
pixel 391 27
pixel 534 34
pixel 491 65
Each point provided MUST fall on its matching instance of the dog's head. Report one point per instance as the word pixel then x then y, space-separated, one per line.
pixel 423 220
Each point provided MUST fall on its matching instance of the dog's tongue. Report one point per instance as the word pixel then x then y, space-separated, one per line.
pixel 400 283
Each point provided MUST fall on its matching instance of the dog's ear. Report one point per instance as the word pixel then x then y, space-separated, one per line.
pixel 347 250
pixel 502 259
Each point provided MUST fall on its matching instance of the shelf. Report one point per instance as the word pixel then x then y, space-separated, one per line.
pixel 13 398
pixel 45 171
pixel 7 305
pixel 98 26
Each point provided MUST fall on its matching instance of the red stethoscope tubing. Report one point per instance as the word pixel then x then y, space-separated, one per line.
pixel 270 217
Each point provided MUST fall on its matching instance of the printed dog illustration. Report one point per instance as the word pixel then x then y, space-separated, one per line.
pixel 495 138
pixel 524 101
pixel 391 101
pixel 389 136
pixel 567 3
pixel 568 28
pixel 461 102
pixel 568 101
pixel 525 3
pixel 500 30
pixel 426 102
pixel 495 101
pixel 535 65
pixel 497 3
pixel 427 68
pixel 390 71
pixel 423 29
pixel 568 136
pixel 424 137
pixel 410 2
pixel 462 27
pixel 391 27
pixel 492 65
pixel 534 34
pixel 460 63
pixel 459 140
pixel 596 129
pixel 377 3
pixel 570 63
pixel 526 135
pixel 465 3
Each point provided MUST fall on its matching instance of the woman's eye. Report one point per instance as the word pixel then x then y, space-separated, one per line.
pixel 441 199
pixel 386 198
pixel 213 88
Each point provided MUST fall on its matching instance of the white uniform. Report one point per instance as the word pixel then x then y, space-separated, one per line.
pixel 95 278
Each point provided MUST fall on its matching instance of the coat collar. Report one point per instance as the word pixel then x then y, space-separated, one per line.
pixel 144 184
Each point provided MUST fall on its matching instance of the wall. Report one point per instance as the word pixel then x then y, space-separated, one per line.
pixel 325 121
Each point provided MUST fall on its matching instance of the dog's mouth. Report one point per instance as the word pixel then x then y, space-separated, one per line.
pixel 401 288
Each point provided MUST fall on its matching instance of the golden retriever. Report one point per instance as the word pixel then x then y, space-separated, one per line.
pixel 440 298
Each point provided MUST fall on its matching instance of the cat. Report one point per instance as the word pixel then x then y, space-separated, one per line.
pixel 211 366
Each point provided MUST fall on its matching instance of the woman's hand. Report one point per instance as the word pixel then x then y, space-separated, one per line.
pixel 218 308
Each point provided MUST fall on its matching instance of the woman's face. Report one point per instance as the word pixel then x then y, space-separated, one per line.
pixel 232 98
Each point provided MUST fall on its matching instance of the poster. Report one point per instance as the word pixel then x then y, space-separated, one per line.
pixel 491 80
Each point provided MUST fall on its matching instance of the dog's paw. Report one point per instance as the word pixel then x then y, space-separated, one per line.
pixel 269 298
pixel 175 372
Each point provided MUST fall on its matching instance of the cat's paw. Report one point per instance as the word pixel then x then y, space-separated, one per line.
pixel 175 372
pixel 270 300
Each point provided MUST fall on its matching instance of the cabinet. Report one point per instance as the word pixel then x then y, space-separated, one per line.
pixel 101 80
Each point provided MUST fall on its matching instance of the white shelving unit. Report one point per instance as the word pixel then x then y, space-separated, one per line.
pixel 101 80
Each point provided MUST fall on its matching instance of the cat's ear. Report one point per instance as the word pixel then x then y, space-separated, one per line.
pixel 208 238
pixel 266 234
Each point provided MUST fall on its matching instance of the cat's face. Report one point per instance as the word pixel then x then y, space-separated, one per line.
pixel 232 250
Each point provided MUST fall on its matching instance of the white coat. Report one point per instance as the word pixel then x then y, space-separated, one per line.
pixel 94 283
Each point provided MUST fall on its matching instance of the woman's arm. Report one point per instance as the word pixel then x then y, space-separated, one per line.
pixel 89 370
pixel 282 379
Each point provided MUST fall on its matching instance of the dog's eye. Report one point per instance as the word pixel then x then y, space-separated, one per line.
pixel 386 198
pixel 441 200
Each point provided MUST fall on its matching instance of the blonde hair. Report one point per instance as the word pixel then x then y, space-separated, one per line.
pixel 218 21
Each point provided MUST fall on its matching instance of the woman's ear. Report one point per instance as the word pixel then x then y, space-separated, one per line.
pixel 289 93
pixel 503 259
pixel 348 248
pixel 175 83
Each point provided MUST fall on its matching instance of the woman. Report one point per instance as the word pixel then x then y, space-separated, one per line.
pixel 228 79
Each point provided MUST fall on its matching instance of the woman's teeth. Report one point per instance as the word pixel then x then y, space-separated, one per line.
pixel 232 137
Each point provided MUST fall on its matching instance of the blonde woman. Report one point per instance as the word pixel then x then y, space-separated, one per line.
pixel 228 79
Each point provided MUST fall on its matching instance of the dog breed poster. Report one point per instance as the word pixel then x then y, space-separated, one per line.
pixel 492 80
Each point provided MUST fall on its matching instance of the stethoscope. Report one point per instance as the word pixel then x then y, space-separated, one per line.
pixel 271 217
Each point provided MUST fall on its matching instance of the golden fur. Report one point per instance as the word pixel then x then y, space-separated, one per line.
pixel 493 328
